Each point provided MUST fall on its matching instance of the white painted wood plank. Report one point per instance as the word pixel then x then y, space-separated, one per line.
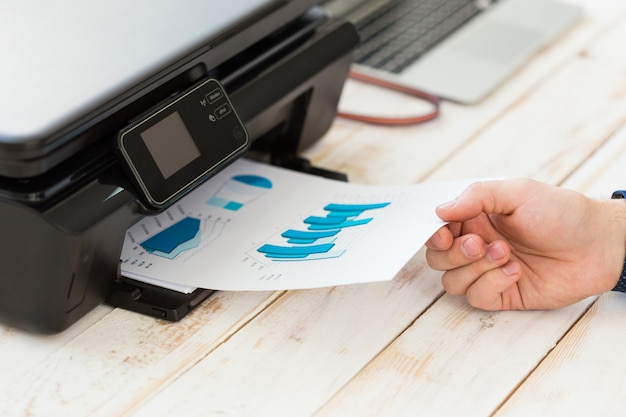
pixel 123 359
pixel 454 361
pixel 585 375
pixel 22 352
pixel 604 172
pixel 300 351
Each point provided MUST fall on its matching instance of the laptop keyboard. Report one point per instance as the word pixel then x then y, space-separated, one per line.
pixel 394 36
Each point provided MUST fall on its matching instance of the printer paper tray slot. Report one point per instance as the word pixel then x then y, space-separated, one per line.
pixel 155 301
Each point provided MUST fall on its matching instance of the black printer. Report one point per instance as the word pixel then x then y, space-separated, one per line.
pixel 112 111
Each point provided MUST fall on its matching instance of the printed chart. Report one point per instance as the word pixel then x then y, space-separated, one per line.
pixel 318 240
pixel 259 227
pixel 178 232
pixel 179 237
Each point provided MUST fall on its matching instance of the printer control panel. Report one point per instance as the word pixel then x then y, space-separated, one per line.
pixel 178 145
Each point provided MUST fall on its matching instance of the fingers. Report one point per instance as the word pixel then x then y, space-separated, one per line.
pixel 443 238
pixel 483 273
pixel 491 197
pixel 492 290
pixel 458 280
pixel 445 253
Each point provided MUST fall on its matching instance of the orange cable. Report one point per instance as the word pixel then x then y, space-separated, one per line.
pixel 384 120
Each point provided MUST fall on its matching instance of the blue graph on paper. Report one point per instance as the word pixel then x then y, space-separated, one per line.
pixel 315 238
pixel 239 190
pixel 172 241
pixel 186 234
pixel 318 240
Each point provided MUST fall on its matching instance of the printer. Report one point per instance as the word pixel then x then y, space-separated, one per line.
pixel 111 111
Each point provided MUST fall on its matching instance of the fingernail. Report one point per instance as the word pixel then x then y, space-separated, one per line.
pixel 447 205
pixel 436 240
pixel 470 248
pixel 495 251
pixel 511 268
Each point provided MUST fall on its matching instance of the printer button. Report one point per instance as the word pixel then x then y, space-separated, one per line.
pixel 222 111
pixel 214 95
pixel 238 133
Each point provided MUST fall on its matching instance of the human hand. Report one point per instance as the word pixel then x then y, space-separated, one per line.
pixel 522 244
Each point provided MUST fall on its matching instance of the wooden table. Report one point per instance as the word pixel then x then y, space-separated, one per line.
pixel 398 348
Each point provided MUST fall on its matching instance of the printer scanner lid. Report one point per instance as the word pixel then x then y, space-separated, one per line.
pixel 66 64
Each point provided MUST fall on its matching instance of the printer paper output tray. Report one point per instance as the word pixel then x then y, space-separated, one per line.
pixel 63 229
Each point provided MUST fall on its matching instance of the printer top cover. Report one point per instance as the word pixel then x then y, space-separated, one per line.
pixel 67 64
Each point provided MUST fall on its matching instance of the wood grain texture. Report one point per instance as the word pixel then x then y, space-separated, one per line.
pixel 398 348
pixel 123 359
pixel 455 360
pixel 585 374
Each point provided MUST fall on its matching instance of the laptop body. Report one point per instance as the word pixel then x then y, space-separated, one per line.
pixel 471 50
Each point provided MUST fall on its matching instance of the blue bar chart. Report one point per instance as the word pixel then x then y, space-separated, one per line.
pixel 318 239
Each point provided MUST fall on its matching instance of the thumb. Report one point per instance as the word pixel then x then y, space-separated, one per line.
pixel 490 197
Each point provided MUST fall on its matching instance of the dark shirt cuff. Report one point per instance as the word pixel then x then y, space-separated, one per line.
pixel 621 284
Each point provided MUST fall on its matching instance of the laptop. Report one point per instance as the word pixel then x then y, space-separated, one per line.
pixel 460 50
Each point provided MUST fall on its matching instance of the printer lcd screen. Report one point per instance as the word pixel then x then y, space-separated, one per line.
pixel 170 144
